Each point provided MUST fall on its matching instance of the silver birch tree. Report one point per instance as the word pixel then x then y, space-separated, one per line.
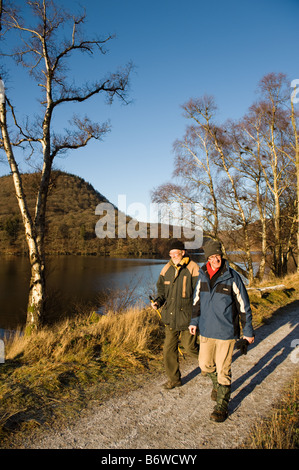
pixel 45 53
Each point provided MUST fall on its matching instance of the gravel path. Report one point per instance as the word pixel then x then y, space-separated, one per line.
pixel 153 418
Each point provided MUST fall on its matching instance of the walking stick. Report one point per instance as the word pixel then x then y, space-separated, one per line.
pixel 159 313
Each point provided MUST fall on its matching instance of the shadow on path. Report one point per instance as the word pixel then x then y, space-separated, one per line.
pixel 191 375
pixel 271 359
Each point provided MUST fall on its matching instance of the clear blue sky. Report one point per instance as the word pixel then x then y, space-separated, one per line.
pixel 181 50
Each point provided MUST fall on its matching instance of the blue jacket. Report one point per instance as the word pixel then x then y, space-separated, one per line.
pixel 220 304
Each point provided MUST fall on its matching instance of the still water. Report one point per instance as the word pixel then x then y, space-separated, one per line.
pixel 72 281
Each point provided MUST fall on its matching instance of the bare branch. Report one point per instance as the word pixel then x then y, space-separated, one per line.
pixel 86 130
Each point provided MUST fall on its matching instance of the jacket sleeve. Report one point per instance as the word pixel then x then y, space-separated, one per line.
pixel 194 282
pixel 243 305
pixel 196 306
pixel 194 275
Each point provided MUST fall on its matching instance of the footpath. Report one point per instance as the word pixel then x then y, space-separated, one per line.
pixel 153 418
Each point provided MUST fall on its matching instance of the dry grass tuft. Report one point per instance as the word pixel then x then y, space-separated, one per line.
pixel 136 332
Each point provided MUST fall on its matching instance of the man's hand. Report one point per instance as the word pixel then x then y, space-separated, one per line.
pixel 154 305
pixel 192 329
pixel 249 339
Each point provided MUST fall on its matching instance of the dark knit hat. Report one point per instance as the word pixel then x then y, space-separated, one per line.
pixel 176 245
pixel 211 248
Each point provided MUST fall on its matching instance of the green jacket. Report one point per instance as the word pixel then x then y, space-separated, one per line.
pixel 176 285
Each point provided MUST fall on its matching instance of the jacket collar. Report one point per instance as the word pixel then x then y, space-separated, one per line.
pixel 223 272
pixel 184 261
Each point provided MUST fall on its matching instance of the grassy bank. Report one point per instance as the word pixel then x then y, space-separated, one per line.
pixel 49 378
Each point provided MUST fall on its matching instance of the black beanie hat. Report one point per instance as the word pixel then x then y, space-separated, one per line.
pixel 211 248
pixel 176 245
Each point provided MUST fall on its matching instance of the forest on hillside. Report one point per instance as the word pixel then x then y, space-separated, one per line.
pixel 71 220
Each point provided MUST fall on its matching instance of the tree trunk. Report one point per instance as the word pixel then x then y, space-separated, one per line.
pixel 297 174
pixel 277 250
pixel 241 212
pixel 36 300
pixel 297 169
pixel 262 266
pixel 37 294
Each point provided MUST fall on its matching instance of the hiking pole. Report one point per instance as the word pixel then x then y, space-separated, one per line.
pixel 152 302
pixel 159 313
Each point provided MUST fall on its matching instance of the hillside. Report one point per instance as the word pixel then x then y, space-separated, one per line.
pixel 71 219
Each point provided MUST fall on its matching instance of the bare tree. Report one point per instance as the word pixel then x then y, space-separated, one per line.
pixel 235 192
pixel 193 166
pixel 276 164
pixel 244 174
pixel 192 188
pixel 197 168
pixel 247 142
pixel 195 159
pixel 45 53
pixel 294 119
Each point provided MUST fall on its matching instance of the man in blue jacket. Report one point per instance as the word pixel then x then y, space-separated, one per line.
pixel 220 304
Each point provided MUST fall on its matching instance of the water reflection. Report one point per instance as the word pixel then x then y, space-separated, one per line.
pixel 72 281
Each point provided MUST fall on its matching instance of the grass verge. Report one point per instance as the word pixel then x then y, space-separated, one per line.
pixel 280 430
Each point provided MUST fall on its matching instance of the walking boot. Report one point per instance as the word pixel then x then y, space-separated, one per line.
pixel 170 385
pixel 213 377
pixel 220 412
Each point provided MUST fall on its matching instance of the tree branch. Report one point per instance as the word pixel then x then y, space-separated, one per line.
pixel 86 130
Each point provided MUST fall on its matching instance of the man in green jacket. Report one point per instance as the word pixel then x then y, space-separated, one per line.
pixel 176 285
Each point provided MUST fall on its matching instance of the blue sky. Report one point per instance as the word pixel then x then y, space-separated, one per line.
pixel 181 50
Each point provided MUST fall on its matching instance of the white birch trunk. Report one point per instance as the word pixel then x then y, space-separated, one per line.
pixel 37 283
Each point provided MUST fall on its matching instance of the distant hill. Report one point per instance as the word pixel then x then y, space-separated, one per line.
pixel 71 220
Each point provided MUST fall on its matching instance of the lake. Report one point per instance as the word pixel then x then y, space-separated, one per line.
pixel 72 281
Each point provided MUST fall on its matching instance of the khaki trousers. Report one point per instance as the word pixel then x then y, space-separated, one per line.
pixel 215 355
pixel 170 351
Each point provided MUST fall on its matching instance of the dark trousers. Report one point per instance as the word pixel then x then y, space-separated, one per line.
pixel 174 339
